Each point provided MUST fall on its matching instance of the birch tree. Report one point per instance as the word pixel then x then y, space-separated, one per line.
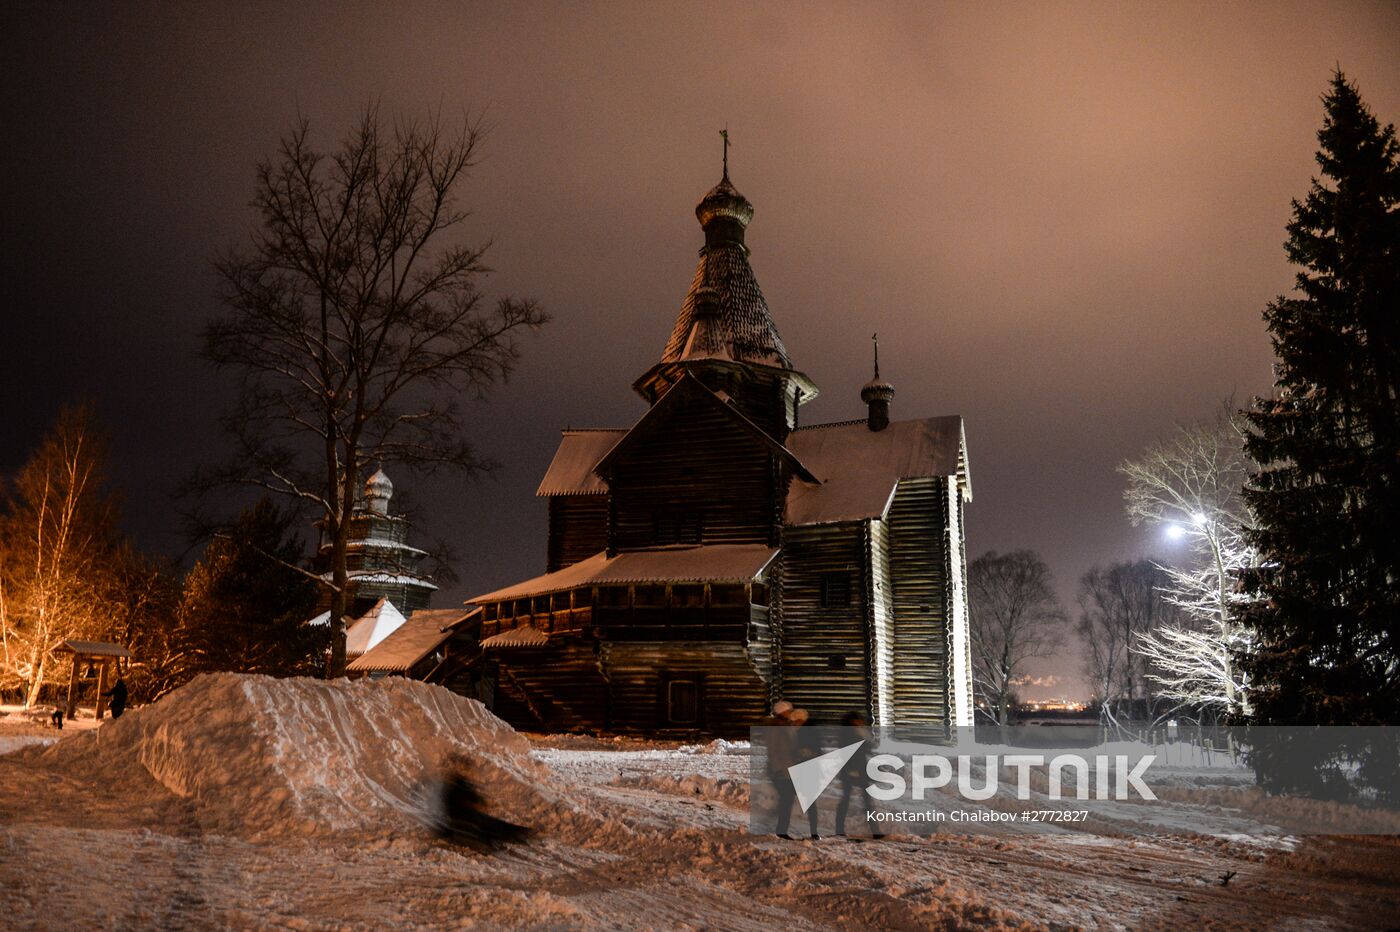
pixel 1189 486
pixel 1015 618
pixel 356 323
pixel 58 534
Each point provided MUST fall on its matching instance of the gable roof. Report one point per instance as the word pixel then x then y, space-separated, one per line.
pixel 422 633
pixel 372 627
pixel 93 648
pixel 715 563
pixel 859 468
pixel 690 385
pixel 571 470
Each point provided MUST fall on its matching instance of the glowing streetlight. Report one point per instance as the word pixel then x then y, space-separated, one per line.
pixel 1175 532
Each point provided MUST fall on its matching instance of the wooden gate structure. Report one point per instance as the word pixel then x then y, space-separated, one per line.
pixel 101 654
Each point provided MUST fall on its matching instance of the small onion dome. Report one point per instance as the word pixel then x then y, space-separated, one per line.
pixel 378 491
pixel 877 389
pixel 722 204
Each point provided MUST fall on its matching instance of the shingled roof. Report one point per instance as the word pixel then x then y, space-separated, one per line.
pixel 718 563
pixel 744 321
pixel 422 633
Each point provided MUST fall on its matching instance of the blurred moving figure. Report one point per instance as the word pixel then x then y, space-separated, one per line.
pixel 852 776
pixel 785 749
pixel 464 822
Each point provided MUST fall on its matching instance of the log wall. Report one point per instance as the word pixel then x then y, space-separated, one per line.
pixel 824 648
pixel 578 528
pixel 734 697
pixel 703 468
pixel 918 565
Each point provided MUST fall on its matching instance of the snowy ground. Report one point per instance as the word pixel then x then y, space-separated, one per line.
pixel 126 828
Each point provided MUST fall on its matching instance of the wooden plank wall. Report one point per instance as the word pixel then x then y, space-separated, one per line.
pixel 918 573
pixel 578 528
pixel 762 396
pixel 701 460
pixel 812 635
pixel 734 697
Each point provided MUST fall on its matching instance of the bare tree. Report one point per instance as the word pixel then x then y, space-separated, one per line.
pixel 58 544
pixel 355 323
pixel 1118 606
pixel 1015 617
pixel 1189 485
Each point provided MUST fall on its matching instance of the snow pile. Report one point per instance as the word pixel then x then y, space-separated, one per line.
pixel 255 755
pixel 717 746
pixel 731 791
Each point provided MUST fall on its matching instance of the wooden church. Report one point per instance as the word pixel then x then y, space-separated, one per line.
pixel 719 555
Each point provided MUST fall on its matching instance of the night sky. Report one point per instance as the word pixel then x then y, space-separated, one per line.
pixel 1064 222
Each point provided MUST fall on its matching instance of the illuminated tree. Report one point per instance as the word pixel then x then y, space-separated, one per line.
pixel 1189 487
pixel 57 548
pixel 356 323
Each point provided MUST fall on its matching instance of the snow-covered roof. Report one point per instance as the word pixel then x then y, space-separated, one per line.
pixel 422 633
pixel 716 563
pixel 859 467
pixel 93 648
pixel 524 636
pixel 374 576
pixel 571 470
pixel 372 627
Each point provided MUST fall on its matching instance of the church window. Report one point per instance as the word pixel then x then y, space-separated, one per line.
pixel 677 525
pixel 688 596
pixel 727 595
pixel 613 597
pixel 649 597
pixel 836 590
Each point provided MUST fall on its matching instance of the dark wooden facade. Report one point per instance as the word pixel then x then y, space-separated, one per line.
pixel 717 556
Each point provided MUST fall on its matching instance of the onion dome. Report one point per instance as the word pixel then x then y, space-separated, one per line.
pixel 877 389
pixel 724 213
pixel 877 395
pixel 378 491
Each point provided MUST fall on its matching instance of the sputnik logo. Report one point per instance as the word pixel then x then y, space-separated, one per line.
pixel 811 777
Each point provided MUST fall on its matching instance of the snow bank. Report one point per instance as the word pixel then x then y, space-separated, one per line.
pixel 255 755
pixel 9 743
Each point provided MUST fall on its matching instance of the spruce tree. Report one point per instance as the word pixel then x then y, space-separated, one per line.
pixel 1326 496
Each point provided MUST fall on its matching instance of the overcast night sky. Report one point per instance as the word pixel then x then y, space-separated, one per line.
pixel 1064 221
